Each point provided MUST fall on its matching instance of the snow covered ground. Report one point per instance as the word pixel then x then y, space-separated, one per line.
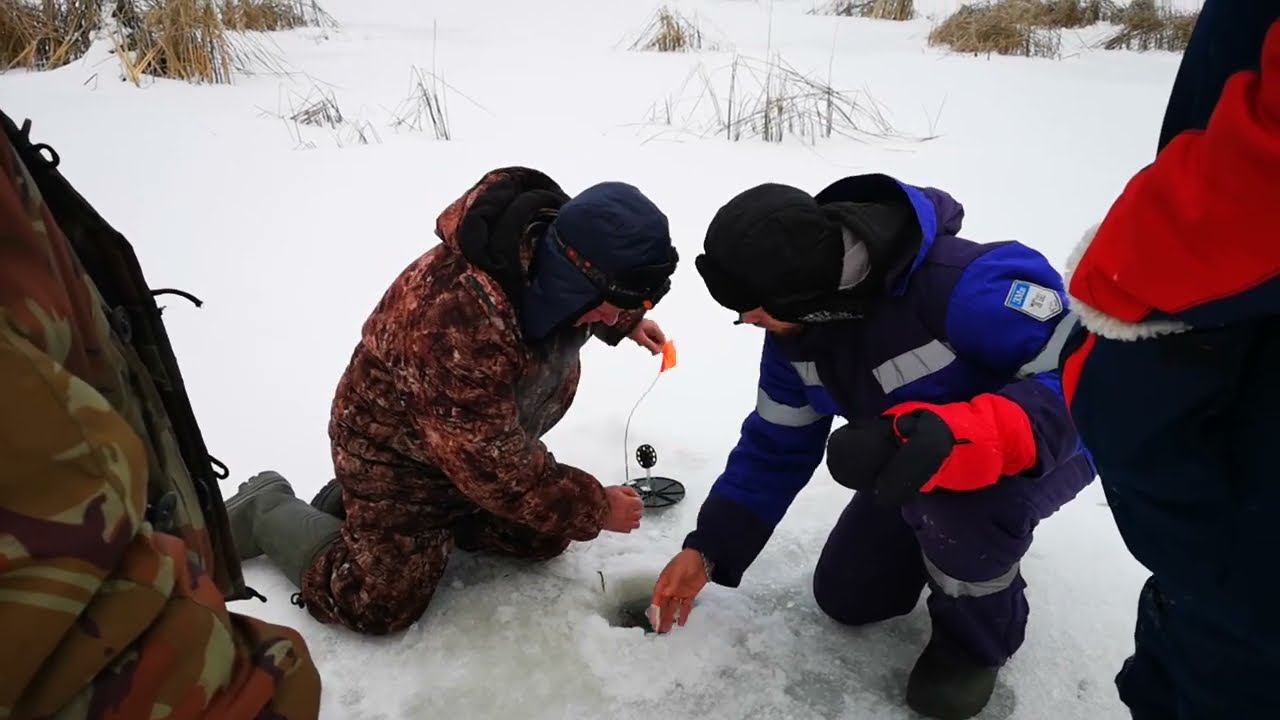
pixel 291 247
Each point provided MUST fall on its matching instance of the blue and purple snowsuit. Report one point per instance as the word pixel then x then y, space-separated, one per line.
pixel 956 325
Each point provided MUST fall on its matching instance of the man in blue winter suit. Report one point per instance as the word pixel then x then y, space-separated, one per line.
pixel 942 354
pixel 1174 378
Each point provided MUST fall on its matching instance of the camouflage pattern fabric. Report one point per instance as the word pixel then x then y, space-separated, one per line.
pixel 435 430
pixel 101 614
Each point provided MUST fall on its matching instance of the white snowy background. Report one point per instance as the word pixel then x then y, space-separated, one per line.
pixel 290 247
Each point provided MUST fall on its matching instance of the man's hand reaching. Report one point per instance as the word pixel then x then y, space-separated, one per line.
pixel 648 335
pixel 680 582
pixel 625 509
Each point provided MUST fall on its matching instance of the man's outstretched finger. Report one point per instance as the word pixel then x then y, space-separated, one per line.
pixel 686 609
pixel 661 593
pixel 669 610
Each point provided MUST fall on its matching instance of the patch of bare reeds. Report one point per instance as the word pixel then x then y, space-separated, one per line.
pixel 899 10
pixel 768 100
pixel 669 31
pixel 1146 26
pixel 1007 27
pixel 179 39
pixel 45 34
pixel 273 15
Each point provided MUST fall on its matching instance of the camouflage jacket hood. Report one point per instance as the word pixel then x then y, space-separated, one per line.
pixel 491 229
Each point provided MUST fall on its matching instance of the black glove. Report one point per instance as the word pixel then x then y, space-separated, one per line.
pixel 868 456
pixel 857 452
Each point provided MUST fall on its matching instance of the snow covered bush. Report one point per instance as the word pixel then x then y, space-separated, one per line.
pixel 179 39
pixel 1071 13
pixel 900 10
pixel 1008 27
pixel 272 15
pixel 1032 27
pixel 669 31
pixel 46 34
pixel 1148 27
pixel 262 15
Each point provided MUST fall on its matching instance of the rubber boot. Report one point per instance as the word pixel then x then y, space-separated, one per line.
pixel 946 685
pixel 329 500
pixel 262 491
pixel 267 518
pixel 292 534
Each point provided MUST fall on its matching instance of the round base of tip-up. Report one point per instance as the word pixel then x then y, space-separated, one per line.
pixel 658 492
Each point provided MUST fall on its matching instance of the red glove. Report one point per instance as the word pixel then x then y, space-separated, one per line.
pixel 991 438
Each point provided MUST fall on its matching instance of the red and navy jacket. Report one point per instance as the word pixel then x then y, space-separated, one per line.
pixel 963 320
pixel 1191 242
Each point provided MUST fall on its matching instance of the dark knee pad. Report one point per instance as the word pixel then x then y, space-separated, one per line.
pixel 851 604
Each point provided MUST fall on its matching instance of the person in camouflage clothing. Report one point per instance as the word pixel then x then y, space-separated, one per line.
pixel 112 579
pixel 469 358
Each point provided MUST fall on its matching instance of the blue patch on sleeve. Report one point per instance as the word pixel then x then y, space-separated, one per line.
pixel 980 326
pixel 1034 300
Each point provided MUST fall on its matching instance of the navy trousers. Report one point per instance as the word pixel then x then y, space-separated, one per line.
pixel 1185 431
pixel 965 546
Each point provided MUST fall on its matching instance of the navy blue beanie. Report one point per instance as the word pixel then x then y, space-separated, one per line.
pixel 614 227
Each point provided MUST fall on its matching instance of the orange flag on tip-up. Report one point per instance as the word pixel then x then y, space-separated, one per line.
pixel 668 356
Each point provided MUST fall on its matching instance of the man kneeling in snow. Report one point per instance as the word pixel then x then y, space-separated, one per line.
pixel 942 353
pixel 469 358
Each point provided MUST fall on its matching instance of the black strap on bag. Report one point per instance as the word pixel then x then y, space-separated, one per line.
pixel 110 262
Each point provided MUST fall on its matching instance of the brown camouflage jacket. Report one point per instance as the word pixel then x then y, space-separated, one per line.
pixel 102 614
pixel 443 385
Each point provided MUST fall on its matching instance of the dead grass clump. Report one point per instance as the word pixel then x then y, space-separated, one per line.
pixel 841 8
pixel 900 10
pixel 1144 26
pixel 769 100
pixel 262 15
pixel 273 15
pixel 179 39
pixel 425 107
pixel 773 99
pixel 45 34
pixel 1008 27
pixel 669 31
pixel 316 115
pixel 1073 13
pixel 318 109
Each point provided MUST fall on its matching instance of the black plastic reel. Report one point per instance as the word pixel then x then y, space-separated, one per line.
pixel 658 492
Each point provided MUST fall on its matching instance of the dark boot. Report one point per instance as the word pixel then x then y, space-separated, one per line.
pixel 329 500
pixel 946 685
